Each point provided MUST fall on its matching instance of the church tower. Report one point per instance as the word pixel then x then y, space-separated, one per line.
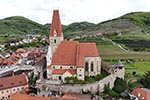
pixel 119 70
pixel 56 34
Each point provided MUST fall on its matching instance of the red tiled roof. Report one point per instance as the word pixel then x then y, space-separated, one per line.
pixel 72 71
pixel 13 81
pixel 77 96
pixel 14 57
pixel 59 71
pixel 20 50
pixel 19 97
pixel 34 53
pixel 62 71
pixel 56 24
pixel 65 54
pixel 86 50
pixel 73 53
pixel 143 93
pixel 9 63
pixel 5 62
pixel 39 98
pixel 27 97
pixel 65 97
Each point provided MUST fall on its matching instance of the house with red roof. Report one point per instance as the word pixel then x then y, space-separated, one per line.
pixel 140 94
pixel 11 85
pixel 4 55
pixel 70 58
pixel 5 63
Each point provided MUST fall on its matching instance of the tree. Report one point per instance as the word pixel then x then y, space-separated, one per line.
pixel 145 80
pixel 119 85
pixel 110 92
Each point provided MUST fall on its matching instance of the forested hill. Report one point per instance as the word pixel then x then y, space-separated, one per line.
pixel 21 25
pixel 137 23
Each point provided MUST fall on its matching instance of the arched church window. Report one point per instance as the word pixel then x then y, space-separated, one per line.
pixel 86 66
pixel 54 40
pixel 92 66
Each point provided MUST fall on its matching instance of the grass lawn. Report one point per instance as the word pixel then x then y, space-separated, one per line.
pixel 139 67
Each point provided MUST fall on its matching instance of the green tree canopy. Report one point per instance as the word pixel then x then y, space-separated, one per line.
pixel 145 80
pixel 119 85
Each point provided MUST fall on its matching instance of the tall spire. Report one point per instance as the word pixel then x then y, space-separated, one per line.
pixel 56 29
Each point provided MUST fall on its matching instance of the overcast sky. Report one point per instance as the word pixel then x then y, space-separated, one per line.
pixel 94 11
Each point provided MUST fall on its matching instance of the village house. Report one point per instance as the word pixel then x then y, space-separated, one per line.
pixel 2 46
pixel 140 94
pixel 5 63
pixel 11 85
pixel 70 58
pixel 4 55
pixel 23 60
pixel 29 39
pixel 29 56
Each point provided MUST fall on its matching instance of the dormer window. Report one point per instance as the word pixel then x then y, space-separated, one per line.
pixel 55 33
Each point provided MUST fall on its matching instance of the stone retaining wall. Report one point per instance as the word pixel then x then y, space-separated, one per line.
pixel 97 86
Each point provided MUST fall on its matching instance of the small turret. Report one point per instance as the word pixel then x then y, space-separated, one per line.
pixel 118 69
pixel 119 65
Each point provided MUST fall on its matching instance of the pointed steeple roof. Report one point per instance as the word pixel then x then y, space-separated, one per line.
pixel 56 25
pixel 119 64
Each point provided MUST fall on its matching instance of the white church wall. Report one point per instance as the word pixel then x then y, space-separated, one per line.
pixel 80 73
pixel 63 67
pixel 54 43
pixel 96 65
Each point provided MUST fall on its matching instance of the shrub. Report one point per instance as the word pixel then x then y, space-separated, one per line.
pixel 88 79
pixel 145 80
pixel 110 92
pixel 134 72
pixel 133 84
pixel 119 85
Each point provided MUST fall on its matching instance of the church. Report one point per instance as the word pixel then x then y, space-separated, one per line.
pixel 70 58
